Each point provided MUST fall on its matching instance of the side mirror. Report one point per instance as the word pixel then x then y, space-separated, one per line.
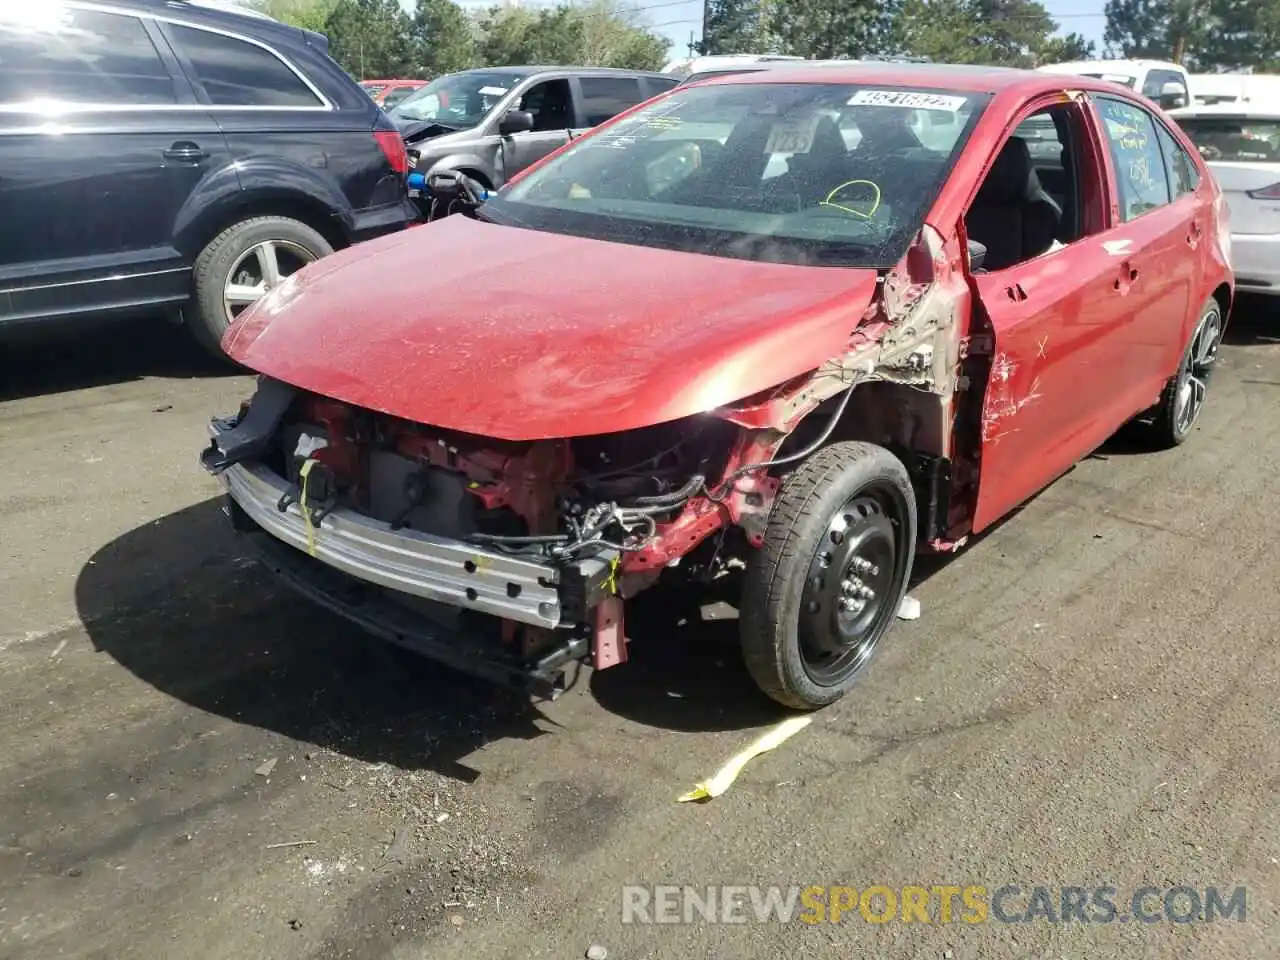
pixel 1173 95
pixel 516 121
pixel 977 254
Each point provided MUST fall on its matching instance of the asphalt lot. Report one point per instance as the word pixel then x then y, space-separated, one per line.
pixel 1090 698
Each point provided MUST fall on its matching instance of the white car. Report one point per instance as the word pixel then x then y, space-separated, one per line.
pixel 1242 147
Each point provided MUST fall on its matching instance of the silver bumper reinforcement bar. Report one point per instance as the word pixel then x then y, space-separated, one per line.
pixel 411 562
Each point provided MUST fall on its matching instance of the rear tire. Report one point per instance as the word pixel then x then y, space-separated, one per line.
pixel 236 265
pixel 827 582
pixel 1184 395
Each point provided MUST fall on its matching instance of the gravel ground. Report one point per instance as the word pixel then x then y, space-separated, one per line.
pixel 193 762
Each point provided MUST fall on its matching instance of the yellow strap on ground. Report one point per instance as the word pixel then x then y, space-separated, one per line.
pixel 303 474
pixel 725 776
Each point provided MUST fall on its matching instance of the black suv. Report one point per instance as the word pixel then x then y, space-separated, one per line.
pixel 492 122
pixel 171 154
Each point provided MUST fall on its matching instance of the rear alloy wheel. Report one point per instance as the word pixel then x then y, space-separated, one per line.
pixel 1185 393
pixel 242 265
pixel 826 584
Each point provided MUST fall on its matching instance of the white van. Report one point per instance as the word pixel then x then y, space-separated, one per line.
pixel 1168 84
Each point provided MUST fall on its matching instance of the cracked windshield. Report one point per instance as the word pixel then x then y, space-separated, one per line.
pixel 835 174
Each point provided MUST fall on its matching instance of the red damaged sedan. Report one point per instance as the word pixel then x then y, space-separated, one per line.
pixel 800 324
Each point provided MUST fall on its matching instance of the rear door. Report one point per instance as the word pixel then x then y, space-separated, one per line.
pixel 100 140
pixel 602 98
pixel 1155 239
pixel 279 125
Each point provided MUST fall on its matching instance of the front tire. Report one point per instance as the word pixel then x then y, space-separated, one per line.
pixel 826 584
pixel 241 265
pixel 1184 395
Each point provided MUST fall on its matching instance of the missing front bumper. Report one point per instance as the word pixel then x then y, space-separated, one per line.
pixel 369 608
pixel 421 565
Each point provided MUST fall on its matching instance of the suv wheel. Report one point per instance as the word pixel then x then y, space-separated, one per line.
pixel 241 264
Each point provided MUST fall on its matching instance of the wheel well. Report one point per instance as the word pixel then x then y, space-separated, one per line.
pixel 909 422
pixel 477 176
pixel 1223 296
pixel 313 213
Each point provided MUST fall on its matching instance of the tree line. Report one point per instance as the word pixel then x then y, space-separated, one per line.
pixel 379 38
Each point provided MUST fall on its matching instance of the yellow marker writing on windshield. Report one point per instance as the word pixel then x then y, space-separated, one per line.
pixel 857 213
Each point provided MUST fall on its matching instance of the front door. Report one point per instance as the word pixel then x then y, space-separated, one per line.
pixel 1058 312
pixel 551 103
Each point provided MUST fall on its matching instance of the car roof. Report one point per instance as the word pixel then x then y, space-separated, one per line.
pixel 531 70
pixel 962 78
pixel 218 13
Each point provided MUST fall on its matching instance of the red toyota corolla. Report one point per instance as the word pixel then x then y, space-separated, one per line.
pixel 792 327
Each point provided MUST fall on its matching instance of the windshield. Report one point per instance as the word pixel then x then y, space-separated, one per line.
pixel 458 100
pixel 822 173
pixel 1234 138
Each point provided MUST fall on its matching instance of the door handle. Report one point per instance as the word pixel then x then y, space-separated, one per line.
pixel 1015 293
pixel 1128 276
pixel 1193 236
pixel 185 151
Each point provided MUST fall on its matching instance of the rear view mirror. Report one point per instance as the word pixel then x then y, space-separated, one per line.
pixel 516 121
pixel 1173 95
pixel 977 254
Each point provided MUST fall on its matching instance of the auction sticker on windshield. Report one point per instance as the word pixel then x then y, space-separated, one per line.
pixel 906 98
pixel 492 91
pixel 792 136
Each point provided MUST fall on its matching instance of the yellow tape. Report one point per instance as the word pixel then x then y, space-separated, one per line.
pixel 303 474
pixel 857 213
pixel 612 583
pixel 725 776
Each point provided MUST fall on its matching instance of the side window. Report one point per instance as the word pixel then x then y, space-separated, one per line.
pixel 605 97
pixel 1154 89
pixel 1154 81
pixel 395 96
pixel 80 56
pixel 239 74
pixel 551 105
pixel 659 85
pixel 1033 199
pixel 1180 168
pixel 1141 182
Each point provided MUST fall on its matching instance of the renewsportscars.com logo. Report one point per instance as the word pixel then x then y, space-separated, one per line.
pixel 937 903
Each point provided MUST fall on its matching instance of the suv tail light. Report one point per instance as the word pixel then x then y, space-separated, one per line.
pixel 392 145
pixel 1266 193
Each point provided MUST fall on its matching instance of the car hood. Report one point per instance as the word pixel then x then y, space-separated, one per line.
pixel 423 131
pixel 521 335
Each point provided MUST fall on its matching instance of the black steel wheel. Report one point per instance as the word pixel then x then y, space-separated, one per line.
pixel 824 588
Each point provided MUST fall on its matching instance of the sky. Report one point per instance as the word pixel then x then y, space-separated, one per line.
pixel 677 19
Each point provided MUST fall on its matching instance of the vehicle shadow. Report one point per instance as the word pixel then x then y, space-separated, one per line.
pixel 101 354
pixel 179 606
pixel 176 604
